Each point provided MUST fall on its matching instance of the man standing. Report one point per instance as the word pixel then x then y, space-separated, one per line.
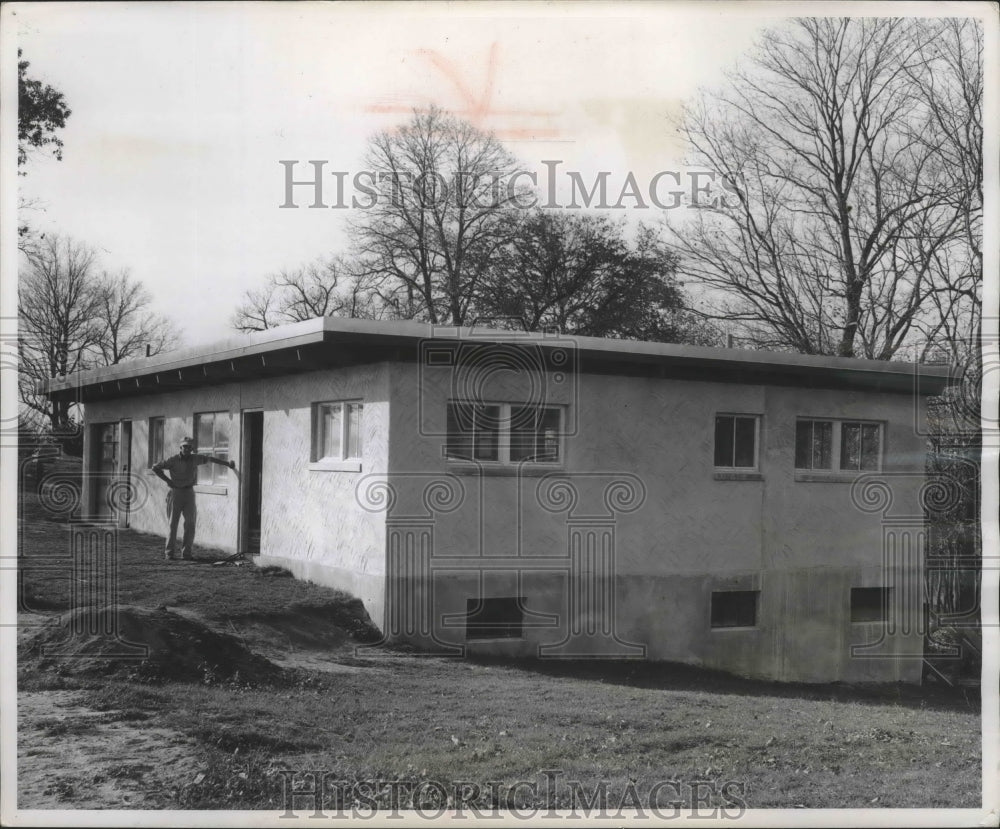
pixel 183 470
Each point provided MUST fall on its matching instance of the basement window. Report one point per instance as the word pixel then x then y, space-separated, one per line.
pixel 155 451
pixel 494 618
pixel 838 445
pixel 736 441
pixel 734 608
pixel 870 604
pixel 211 437
pixel 504 433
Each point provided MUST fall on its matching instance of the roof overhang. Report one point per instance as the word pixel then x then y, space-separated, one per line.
pixel 330 342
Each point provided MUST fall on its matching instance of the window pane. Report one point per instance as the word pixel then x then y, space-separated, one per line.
pixel 331 431
pixel 354 430
pixel 850 446
pixel 803 444
pixel 724 441
pixel 494 618
pixel 548 436
pixel 459 441
pixel 523 420
pixel 822 444
pixel 203 429
pixel 870 449
pixel 487 433
pixel 869 604
pixel 221 442
pixel 734 608
pixel 746 433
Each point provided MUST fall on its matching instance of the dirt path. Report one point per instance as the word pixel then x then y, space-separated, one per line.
pixel 69 756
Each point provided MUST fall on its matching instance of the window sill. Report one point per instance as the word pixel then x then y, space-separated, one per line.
pixel 335 466
pixel 733 475
pixel 211 489
pixel 533 470
pixel 827 477
pixel 740 629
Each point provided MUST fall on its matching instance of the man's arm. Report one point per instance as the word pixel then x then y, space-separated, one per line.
pixel 158 471
pixel 213 459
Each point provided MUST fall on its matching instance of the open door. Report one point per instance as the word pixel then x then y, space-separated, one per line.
pixel 252 462
pixel 104 464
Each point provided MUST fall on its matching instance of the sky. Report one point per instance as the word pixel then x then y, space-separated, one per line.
pixel 182 112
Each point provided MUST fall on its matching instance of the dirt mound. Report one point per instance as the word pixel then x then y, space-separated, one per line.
pixel 143 644
pixel 327 624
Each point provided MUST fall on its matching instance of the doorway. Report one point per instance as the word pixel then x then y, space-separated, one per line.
pixel 252 461
pixel 104 463
pixel 125 501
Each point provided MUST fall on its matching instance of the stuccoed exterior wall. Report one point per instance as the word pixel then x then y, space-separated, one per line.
pixel 676 530
pixel 217 511
pixel 310 520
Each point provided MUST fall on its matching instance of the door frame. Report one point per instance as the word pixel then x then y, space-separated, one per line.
pixel 99 479
pixel 125 469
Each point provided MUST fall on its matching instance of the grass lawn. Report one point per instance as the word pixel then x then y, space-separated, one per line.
pixel 477 728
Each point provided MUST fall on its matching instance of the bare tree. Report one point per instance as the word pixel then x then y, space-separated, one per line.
pixel 323 288
pixel 72 317
pixel 425 245
pixel 58 303
pixel 125 327
pixel 951 87
pixel 839 216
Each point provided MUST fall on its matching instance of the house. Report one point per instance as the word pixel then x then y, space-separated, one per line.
pixel 492 492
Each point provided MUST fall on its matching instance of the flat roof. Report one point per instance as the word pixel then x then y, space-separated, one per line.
pixel 327 342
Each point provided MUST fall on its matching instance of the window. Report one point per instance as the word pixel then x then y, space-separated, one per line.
pixel 736 441
pixel 870 604
pixel 155 454
pixel 734 609
pixel 211 437
pixel 846 445
pixel 504 433
pixel 498 618
pixel 337 431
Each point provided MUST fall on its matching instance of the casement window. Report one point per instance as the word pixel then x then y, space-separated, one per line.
pixel 734 608
pixel 494 618
pixel 736 439
pixel 504 433
pixel 211 437
pixel 155 453
pixel 337 431
pixel 870 604
pixel 838 445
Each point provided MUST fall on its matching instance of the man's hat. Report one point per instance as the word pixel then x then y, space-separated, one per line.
pixel 187 442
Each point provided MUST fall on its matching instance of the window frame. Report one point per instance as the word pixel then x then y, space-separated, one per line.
pixel 756 610
pixel 755 469
pixel 343 462
pixel 152 457
pixel 503 459
pixel 216 474
pixel 836 446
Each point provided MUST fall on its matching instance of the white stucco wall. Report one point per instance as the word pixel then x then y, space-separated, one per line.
pixel 310 520
pixel 803 544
